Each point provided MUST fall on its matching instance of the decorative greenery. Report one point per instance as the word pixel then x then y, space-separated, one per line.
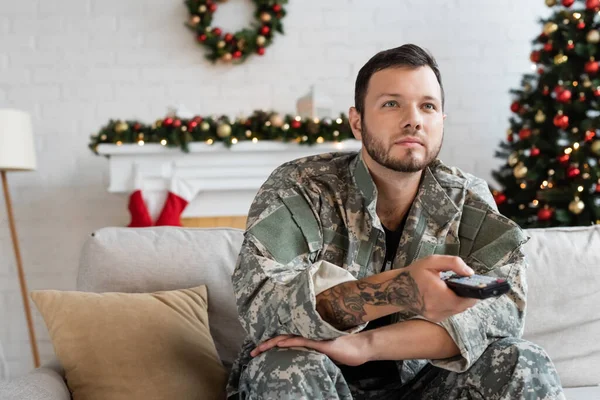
pixel 235 47
pixel 261 125
pixel 552 150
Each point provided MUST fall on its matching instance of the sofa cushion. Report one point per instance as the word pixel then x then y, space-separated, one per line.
pixel 125 346
pixel 563 312
pixel 166 258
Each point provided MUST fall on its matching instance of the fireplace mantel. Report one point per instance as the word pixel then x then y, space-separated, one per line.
pixel 230 177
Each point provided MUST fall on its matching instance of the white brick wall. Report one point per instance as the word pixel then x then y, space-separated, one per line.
pixel 76 63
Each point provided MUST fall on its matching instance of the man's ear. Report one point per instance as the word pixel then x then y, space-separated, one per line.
pixel 445 116
pixel 355 123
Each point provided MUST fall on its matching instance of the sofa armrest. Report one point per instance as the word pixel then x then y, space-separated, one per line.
pixel 44 383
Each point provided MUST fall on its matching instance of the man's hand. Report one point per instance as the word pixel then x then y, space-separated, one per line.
pixel 416 289
pixel 349 350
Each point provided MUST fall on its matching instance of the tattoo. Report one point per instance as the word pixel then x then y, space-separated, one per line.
pixel 344 305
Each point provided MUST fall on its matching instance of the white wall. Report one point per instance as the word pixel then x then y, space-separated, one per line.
pixel 74 64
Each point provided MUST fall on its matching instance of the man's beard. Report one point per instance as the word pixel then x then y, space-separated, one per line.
pixel 381 155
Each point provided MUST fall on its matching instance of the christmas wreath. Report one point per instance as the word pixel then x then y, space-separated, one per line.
pixel 237 46
pixel 173 131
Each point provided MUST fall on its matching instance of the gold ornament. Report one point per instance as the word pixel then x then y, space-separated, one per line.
pixel 277 120
pixel 241 44
pixel 265 17
pixel 587 82
pixel 520 171
pixel 202 9
pixel 593 36
pixel 540 117
pixel 121 127
pixel 221 44
pixel 576 206
pixel 261 40
pixel 550 27
pixel 550 3
pixel 527 87
pixel 560 59
pixel 195 20
pixel 204 126
pixel 223 130
pixel 227 57
pixel 513 159
pixel 596 147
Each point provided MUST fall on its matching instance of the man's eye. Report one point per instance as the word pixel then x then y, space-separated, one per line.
pixel 391 103
pixel 430 106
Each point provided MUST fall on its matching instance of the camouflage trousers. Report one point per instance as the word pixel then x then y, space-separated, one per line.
pixel 509 369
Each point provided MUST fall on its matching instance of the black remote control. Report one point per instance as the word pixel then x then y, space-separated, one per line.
pixel 475 286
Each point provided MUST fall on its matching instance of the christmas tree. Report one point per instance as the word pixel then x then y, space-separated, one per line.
pixel 551 176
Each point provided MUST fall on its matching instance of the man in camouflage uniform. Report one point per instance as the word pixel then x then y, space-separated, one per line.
pixel 337 240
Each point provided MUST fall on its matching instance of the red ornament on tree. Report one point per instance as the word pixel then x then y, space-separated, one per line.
pixel 572 172
pixel 177 123
pixel 277 7
pixel 568 3
pixel 261 51
pixel 228 37
pixel 590 135
pixel 561 121
pixel 545 214
pixel 296 124
pixel 265 30
pixel 237 54
pixel 581 25
pixel 217 31
pixel 192 125
pixel 564 96
pixel 137 127
pixel 212 7
pixel 168 121
pixel 500 198
pixel 592 4
pixel 548 47
pixel 592 67
pixel 535 56
pixel 598 188
pixel 202 38
pixel 515 107
pixel 535 152
pixel 546 91
pixel 570 46
pixel 597 92
pixel 197 119
pixel 524 133
pixel 563 159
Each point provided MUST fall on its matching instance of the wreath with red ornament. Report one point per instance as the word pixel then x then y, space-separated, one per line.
pixel 235 47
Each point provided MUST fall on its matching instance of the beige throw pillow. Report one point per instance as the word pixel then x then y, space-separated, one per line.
pixel 150 346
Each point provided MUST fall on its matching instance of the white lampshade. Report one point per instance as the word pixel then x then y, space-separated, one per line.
pixel 17 151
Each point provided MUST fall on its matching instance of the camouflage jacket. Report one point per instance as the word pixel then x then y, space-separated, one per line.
pixel 313 225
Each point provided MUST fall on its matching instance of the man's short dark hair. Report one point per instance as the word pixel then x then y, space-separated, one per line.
pixel 408 55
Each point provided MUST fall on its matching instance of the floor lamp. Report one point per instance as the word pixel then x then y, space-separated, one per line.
pixel 17 153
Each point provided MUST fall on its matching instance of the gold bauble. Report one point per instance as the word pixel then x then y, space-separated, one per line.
pixel 596 147
pixel 221 44
pixel 241 44
pixel 560 59
pixel 202 9
pixel 204 126
pixel 277 120
pixel 261 40
pixel 540 117
pixel 520 171
pixel 195 20
pixel 593 36
pixel 121 127
pixel 265 17
pixel 550 3
pixel 587 83
pixel 513 159
pixel 223 130
pixel 550 27
pixel 576 206
pixel 227 57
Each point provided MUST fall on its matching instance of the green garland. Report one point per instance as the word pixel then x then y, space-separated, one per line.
pixel 261 125
pixel 236 47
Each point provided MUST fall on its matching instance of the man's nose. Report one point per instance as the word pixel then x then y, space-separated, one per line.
pixel 413 118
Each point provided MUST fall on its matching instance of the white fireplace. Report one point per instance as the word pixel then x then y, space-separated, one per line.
pixel 228 178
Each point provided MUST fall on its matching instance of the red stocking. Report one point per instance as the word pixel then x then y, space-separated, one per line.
pixel 181 193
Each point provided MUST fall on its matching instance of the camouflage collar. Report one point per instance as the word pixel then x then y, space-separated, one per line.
pixel 431 195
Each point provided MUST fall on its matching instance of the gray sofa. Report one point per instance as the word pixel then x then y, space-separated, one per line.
pixel 563 306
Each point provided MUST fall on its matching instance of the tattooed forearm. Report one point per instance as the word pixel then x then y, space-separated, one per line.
pixel 343 305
